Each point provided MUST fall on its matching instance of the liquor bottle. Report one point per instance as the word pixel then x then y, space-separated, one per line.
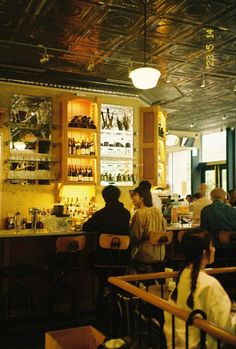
pixel 82 174
pixel 70 177
pixel 92 146
pixel 78 148
pixel 80 178
pixel 90 174
pixel 73 146
pixel 70 146
pixel 83 147
pixel 86 147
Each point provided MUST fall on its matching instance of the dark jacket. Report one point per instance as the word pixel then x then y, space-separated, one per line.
pixel 218 216
pixel 112 219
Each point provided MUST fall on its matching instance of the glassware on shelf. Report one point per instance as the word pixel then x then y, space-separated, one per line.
pixel 116 145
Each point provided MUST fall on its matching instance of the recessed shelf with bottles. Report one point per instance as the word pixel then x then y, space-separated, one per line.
pixel 116 145
pixel 80 142
pixel 30 158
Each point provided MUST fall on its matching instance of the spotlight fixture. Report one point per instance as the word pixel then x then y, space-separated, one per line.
pixel 224 117
pixel 90 66
pixel 45 57
pixel 146 77
pixel 192 125
pixel 168 78
pixel 196 136
pixel 234 87
pixel 203 82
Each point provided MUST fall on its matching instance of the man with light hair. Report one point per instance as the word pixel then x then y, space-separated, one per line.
pixel 218 216
pixel 197 205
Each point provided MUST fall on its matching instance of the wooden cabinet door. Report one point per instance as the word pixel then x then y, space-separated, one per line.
pixel 152 159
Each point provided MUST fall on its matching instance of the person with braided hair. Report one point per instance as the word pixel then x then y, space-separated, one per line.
pixel 195 289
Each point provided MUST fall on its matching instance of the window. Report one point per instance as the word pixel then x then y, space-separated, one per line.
pixel 179 172
pixel 214 147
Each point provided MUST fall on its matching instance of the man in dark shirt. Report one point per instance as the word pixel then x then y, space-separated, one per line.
pixel 112 219
pixel 218 216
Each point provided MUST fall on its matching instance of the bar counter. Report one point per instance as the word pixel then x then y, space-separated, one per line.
pixel 38 232
pixel 35 247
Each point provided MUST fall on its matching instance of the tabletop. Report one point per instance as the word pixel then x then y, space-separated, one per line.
pixel 37 233
pixel 179 226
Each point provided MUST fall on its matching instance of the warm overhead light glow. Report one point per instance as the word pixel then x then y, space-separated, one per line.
pixel 19 145
pixel 145 77
pixel 168 78
pixel 172 140
pixel 203 82
pixel 192 124
pixel 224 117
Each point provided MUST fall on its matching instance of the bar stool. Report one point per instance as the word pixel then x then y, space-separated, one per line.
pixel 19 295
pixel 63 271
pixel 158 241
pixel 176 256
pixel 116 261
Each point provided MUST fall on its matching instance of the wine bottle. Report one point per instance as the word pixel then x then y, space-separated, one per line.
pixel 92 146
pixel 69 146
pixel 73 146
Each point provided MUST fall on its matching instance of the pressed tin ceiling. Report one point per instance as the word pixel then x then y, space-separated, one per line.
pixel 92 44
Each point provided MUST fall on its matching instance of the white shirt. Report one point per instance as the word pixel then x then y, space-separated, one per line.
pixel 156 200
pixel 197 206
pixel 210 297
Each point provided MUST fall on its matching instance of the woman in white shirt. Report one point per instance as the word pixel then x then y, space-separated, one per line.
pixel 197 290
pixel 146 219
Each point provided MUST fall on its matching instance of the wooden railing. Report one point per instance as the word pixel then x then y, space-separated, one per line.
pixel 123 282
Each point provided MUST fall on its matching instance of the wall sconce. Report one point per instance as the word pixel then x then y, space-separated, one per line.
pixel 90 66
pixel 168 78
pixel 203 83
pixel 45 57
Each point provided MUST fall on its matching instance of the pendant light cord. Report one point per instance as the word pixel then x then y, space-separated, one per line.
pixel 145 32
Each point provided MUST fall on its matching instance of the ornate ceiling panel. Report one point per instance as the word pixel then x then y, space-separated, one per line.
pixel 92 44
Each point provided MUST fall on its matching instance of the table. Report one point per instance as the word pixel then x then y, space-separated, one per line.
pixel 176 227
pixel 175 251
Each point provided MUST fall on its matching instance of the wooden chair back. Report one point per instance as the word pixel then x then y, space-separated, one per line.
pixel 114 242
pixel 181 234
pixel 162 238
pixel 70 244
pixel 226 237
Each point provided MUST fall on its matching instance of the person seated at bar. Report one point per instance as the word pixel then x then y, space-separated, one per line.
pixel 146 219
pixel 156 201
pixel 195 289
pixel 218 216
pixel 200 202
pixel 232 197
pixel 114 218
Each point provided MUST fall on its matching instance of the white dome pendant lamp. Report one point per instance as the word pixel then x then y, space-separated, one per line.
pixel 145 78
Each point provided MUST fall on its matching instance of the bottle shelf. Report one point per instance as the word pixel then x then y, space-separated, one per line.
pixel 79 183
pixel 75 156
pixel 116 132
pixel 120 158
pixel 119 183
pixel 82 130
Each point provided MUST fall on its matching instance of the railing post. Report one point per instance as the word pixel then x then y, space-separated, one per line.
pixel 189 322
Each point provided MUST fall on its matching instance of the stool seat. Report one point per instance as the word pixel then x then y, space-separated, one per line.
pixel 63 271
